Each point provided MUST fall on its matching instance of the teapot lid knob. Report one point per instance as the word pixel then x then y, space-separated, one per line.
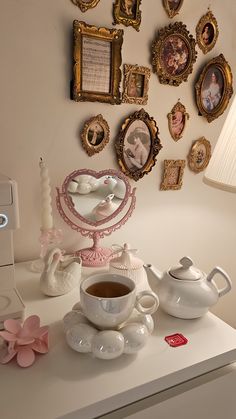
pixel 186 262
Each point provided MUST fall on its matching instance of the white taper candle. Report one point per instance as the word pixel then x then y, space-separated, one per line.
pixel 46 208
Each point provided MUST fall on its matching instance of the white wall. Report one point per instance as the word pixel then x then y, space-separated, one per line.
pixel 38 119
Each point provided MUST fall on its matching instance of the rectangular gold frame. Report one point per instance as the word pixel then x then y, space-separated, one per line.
pixel 133 70
pixel 168 165
pixel 93 34
pixel 127 13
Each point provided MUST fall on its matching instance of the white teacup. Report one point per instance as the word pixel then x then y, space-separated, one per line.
pixel 108 299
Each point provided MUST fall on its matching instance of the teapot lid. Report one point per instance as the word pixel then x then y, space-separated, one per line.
pixel 127 259
pixel 186 270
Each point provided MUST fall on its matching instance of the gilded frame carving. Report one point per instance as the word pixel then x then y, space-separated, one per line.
pixel 138 144
pixel 136 82
pixel 95 134
pixel 173 174
pixel 199 155
pixel 207 32
pixel 173 54
pixel 105 59
pixel 84 5
pixel 214 88
pixel 172 11
pixel 177 119
pixel 127 13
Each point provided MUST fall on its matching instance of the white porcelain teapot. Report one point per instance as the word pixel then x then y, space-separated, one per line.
pixel 184 291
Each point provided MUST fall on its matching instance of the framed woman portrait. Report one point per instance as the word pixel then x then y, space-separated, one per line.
pixel 173 174
pixel 172 7
pixel 84 5
pixel 136 82
pixel 137 145
pixel 199 155
pixel 207 32
pixel 173 54
pixel 127 13
pixel 97 61
pixel 95 134
pixel 177 121
pixel 214 88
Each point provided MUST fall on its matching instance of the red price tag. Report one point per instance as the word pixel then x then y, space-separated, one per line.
pixel 176 340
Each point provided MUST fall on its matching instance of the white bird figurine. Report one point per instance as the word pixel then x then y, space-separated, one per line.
pixel 116 186
pixel 61 273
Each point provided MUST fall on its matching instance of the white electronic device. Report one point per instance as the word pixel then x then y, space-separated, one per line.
pixel 11 304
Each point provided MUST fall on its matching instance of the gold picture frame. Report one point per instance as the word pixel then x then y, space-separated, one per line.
pixel 173 174
pixel 137 145
pixel 136 82
pixel 127 13
pixel 207 32
pixel 95 135
pixel 177 119
pixel 97 61
pixel 84 5
pixel 214 88
pixel 199 155
pixel 173 54
pixel 172 7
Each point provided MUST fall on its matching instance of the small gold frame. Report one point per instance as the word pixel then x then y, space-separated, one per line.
pixel 136 81
pixel 85 5
pixel 177 122
pixel 172 11
pixel 95 135
pixel 173 174
pixel 199 155
pixel 127 13
pixel 207 32
pixel 212 100
pixel 137 145
pixel 173 54
pixel 97 51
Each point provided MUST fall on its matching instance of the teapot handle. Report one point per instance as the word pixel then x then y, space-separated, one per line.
pixel 228 286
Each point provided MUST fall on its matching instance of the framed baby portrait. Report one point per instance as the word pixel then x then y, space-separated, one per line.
pixel 173 174
pixel 84 5
pixel 214 88
pixel 95 134
pixel 177 121
pixel 136 81
pixel 173 54
pixel 199 155
pixel 127 13
pixel 207 32
pixel 97 61
pixel 172 7
pixel 137 145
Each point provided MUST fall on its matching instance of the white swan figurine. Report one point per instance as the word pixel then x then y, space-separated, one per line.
pixel 116 186
pixel 61 273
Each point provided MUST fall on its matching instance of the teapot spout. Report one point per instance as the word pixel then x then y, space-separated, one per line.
pixel 153 275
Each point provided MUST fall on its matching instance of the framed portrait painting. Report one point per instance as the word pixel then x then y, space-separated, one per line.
pixel 136 81
pixel 214 88
pixel 84 5
pixel 95 134
pixel 207 32
pixel 173 174
pixel 177 119
pixel 172 7
pixel 97 61
pixel 127 13
pixel 137 145
pixel 199 155
pixel 173 54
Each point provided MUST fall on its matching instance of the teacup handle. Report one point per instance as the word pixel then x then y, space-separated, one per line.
pixel 146 310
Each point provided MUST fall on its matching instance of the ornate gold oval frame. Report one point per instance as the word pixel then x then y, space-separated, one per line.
pixel 173 168
pixel 139 119
pixel 173 31
pixel 197 159
pixel 207 41
pixel 172 12
pixel 95 144
pixel 87 37
pixel 127 13
pixel 220 65
pixel 85 5
pixel 136 81
pixel 179 107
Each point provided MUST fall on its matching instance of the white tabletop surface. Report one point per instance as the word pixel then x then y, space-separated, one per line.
pixel 63 381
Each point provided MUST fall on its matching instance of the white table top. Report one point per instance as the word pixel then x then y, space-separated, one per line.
pixel 64 381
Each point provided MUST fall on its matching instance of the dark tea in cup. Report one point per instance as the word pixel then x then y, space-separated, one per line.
pixel 108 289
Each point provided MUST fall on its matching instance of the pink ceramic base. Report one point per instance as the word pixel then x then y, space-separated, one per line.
pixel 95 256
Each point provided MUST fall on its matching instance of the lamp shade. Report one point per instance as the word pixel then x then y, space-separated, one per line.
pixel 221 171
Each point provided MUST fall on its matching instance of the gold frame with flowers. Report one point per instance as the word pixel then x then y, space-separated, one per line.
pixel 208 21
pixel 100 137
pixel 170 169
pixel 85 5
pixel 178 107
pixel 127 14
pixel 172 12
pixel 199 155
pixel 136 78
